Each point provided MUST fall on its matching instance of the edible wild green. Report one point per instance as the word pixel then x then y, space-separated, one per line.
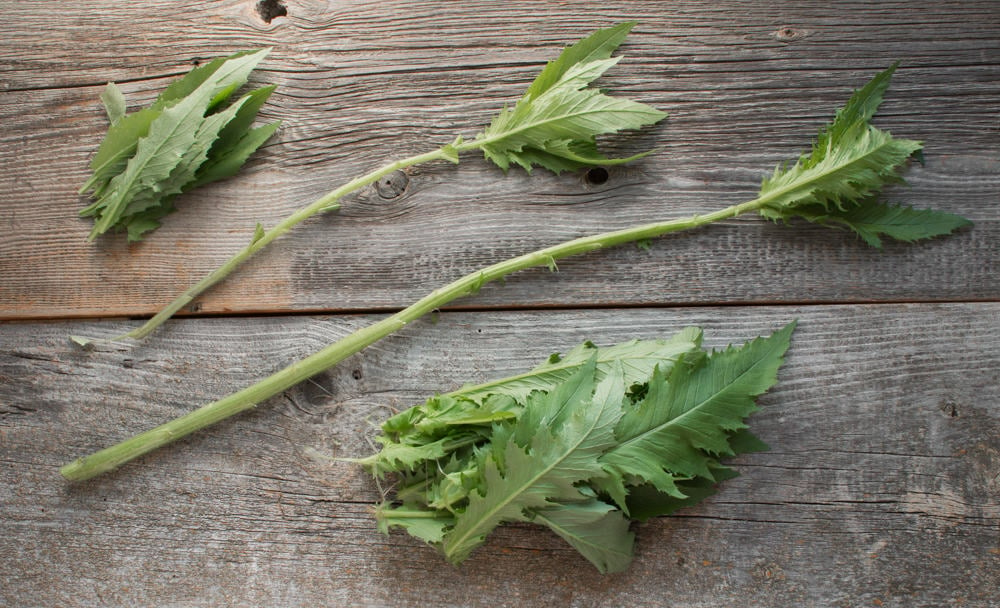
pixel 627 432
pixel 851 159
pixel 554 125
pixel 185 139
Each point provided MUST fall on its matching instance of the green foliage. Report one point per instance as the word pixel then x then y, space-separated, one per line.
pixel 838 183
pixel 556 122
pixel 185 139
pixel 582 444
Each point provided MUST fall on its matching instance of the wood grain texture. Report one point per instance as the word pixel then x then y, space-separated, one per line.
pixel 881 487
pixel 747 85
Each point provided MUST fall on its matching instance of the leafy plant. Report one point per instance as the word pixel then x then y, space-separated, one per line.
pixel 554 125
pixel 185 139
pixel 851 159
pixel 632 431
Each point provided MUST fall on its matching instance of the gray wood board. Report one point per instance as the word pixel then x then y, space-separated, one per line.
pixel 360 84
pixel 881 486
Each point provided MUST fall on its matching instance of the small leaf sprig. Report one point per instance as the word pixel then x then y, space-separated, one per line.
pixel 187 138
pixel 850 159
pixel 554 125
pixel 582 444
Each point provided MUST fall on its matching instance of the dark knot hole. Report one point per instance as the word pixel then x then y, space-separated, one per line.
pixel 597 176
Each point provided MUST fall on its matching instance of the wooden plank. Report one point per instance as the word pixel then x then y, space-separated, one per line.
pixel 881 487
pixel 747 85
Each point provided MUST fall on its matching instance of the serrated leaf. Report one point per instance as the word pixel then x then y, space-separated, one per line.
pixel 539 474
pixel 855 166
pixel 397 456
pixel 838 183
pixel 501 400
pixel 225 164
pixel 686 419
pixel 114 102
pixel 556 122
pixel 638 357
pixel 858 110
pixel 871 220
pixel 595 529
pixel 646 501
pixel 115 150
pixel 426 524
pixel 237 141
pixel 187 164
pixel 153 155
pixel 599 45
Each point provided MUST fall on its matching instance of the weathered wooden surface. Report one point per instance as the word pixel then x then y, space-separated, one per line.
pixel 747 85
pixel 883 484
pixel 881 487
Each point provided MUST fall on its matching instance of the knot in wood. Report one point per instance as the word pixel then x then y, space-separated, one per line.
pixel 392 185
pixel 271 9
pixel 789 34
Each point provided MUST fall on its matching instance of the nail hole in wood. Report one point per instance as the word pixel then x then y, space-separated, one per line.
pixel 356 374
pixel 270 10
pixel 597 176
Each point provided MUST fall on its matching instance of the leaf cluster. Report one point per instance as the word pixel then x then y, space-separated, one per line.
pixel 583 444
pixel 839 182
pixel 556 122
pixel 188 137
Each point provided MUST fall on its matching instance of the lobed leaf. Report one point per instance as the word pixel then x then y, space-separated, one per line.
pixel 637 357
pixel 151 156
pixel 686 419
pixel 838 183
pixel 534 476
pixel 871 220
pixel 556 122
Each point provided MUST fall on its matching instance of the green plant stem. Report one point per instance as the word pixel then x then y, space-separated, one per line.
pixel 112 457
pixel 327 202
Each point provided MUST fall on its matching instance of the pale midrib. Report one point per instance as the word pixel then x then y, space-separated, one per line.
pixel 112 211
pixel 700 404
pixel 480 388
pixel 491 139
pixel 823 175
pixel 491 514
pixel 539 515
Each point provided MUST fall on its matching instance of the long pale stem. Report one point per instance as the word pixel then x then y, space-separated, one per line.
pixel 327 202
pixel 112 457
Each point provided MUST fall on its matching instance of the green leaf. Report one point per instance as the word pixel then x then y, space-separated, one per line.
pixel 237 141
pixel 519 479
pixel 870 220
pixel 114 102
pixel 646 502
pixel 599 45
pixel 426 524
pixel 638 358
pixel 501 400
pixel 855 166
pixel 838 183
pixel 409 455
pixel 686 419
pixel 555 124
pixel 858 110
pixel 151 156
pixel 258 233
pixel 595 529
pixel 116 148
